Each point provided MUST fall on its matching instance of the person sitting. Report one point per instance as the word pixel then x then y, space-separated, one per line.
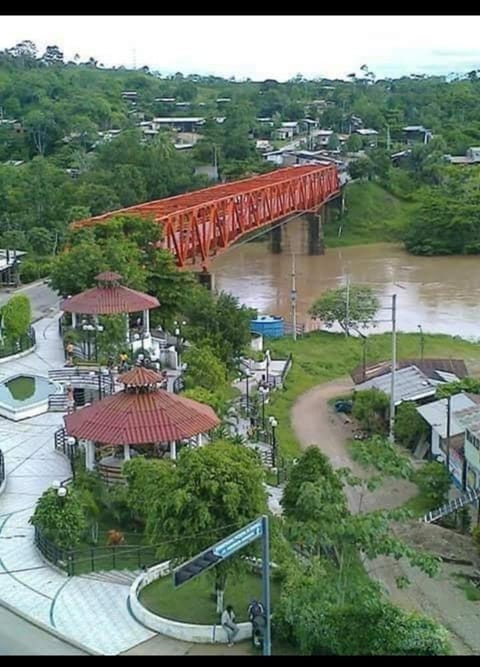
pixel 229 625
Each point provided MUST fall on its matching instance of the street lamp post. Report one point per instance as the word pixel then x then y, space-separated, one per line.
pixel 178 335
pixel 273 424
pixel 267 364
pixel 71 442
pixel 263 391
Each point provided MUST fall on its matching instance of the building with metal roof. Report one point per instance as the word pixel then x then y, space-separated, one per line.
pixel 410 385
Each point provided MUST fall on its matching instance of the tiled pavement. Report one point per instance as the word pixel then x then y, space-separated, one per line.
pixel 93 613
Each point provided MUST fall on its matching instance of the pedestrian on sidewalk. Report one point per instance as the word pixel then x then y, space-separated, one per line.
pixel 70 349
pixel 229 625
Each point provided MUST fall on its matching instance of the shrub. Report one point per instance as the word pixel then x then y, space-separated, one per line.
pixel 433 481
pixel 370 408
pixel 61 520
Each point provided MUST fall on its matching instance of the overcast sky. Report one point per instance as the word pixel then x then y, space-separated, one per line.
pixel 260 47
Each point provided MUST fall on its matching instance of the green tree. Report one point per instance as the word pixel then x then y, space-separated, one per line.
pixel 333 142
pixel 212 492
pixel 313 619
pixel 382 455
pixel 370 407
pixel 204 369
pixel 16 317
pixel 213 399
pixel 62 521
pixel 350 306
pixel 354 143
pixel 433 480
pixel 410 428
pixel 469 385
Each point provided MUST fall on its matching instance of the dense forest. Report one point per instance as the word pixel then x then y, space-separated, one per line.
pixel 71 143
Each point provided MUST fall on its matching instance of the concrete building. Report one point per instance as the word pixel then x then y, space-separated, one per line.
pixel 436 416
pixel 182 124
pixel 470 420
pixel 322 137
pixel 410 385
pixel 416 134
pixel 472 157
pixel 370 135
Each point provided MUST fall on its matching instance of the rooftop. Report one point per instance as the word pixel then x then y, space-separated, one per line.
pixel 428 367
pixel 410 385
pixel 108 298
pixel 435 414
pixel 366 132
pixel 470 419
pixel 141 415
pixel 178 119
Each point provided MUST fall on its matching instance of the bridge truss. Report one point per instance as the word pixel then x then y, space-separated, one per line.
pixel 198 225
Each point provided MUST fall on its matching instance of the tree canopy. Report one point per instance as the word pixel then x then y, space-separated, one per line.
pixel 351 307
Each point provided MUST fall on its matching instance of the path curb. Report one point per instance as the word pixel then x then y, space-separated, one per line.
pixel 48 628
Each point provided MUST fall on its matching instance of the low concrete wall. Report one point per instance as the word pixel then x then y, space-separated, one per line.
pixel 199 634
pixel 19 355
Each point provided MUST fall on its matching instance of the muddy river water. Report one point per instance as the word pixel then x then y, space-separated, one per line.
pixel 442 294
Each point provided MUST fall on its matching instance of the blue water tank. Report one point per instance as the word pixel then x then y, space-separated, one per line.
pixel 270 326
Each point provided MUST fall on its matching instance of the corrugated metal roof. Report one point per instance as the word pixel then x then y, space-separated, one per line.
pixel 470 419
pixel 109 300
pixel 435 414
pixel 130 418
pixel 427 366
pixel 410 385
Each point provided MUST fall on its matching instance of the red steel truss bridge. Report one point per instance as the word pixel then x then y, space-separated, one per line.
pixel 199 225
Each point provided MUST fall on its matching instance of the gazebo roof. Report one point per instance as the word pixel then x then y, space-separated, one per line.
pixel 109 298
pixel 140 377
pixel 135 417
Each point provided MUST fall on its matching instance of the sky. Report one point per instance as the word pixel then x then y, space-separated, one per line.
pixel 260 47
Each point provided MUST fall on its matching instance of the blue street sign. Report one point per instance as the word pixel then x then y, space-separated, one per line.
pixel 241 538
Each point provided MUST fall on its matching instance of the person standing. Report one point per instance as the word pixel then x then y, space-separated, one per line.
pixel 229 625
pixel 70 350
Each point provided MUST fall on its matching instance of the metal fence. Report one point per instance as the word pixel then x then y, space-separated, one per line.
pixel 2 468
pixel 87 559
pixel 25 342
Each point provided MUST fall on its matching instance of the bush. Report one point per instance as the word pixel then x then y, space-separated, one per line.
pixel 409 426
pixel 433 481
pixel 34 269
pixel 370 408
pixel 63 521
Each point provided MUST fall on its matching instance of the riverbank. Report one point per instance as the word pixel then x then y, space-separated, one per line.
pixel 321 356
pixel 372 215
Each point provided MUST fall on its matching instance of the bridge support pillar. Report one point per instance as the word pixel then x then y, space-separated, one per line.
pixel 316 244
pixel 276 240
pixel 207 279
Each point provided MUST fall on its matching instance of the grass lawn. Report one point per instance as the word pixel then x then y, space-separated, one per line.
pixel 372 215
pixel 472 593
pixel 322 356
pixel 195 603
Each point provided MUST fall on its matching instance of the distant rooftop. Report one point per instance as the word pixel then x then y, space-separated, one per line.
pixel 470 418
pixel 415 128
pixel 366 132
pixel 410 385
pixel 435 414
pixel 178 119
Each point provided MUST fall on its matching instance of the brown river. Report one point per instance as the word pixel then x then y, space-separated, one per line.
pixel 442 294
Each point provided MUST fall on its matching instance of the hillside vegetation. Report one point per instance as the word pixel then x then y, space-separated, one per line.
pixel 372 215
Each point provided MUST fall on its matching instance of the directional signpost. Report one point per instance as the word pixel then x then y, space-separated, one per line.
pixel 223 550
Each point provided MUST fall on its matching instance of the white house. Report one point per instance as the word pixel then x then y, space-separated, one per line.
pixel 436 416
pixel 322 137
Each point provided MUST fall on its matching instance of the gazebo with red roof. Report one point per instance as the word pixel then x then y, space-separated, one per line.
pixel 140 414
pixel 110 297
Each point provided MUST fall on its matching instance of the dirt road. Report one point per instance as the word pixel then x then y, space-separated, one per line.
pixel 315 423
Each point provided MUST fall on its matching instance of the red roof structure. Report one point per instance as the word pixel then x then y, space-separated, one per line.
pixel 109 298
pixel 141 414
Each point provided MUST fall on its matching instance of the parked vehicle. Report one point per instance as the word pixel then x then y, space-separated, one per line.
pixel 344 406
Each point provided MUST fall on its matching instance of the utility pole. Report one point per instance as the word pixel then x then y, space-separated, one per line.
pixel 294 299
pixel 449 402
pixel 391 434
pixel 347 307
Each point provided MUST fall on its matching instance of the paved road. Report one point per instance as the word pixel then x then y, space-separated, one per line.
pixel 41 297
pixel 18 637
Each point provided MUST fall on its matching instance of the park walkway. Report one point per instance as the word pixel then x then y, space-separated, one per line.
pixel 91 612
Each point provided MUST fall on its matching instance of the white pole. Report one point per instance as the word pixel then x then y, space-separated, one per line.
pixel 391 435
pixel 347 307
pixel 294 299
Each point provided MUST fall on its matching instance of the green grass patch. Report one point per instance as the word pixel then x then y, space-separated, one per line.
pixel 472 593
pixel 322 356
pixel 372 215
pixel 195 602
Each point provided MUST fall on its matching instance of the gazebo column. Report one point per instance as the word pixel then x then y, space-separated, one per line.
pixel 74 320
pixel 173 450
pixel 127 328
pixel 89 455
pixel 126 452
pixel 146 323
pixel 199 440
